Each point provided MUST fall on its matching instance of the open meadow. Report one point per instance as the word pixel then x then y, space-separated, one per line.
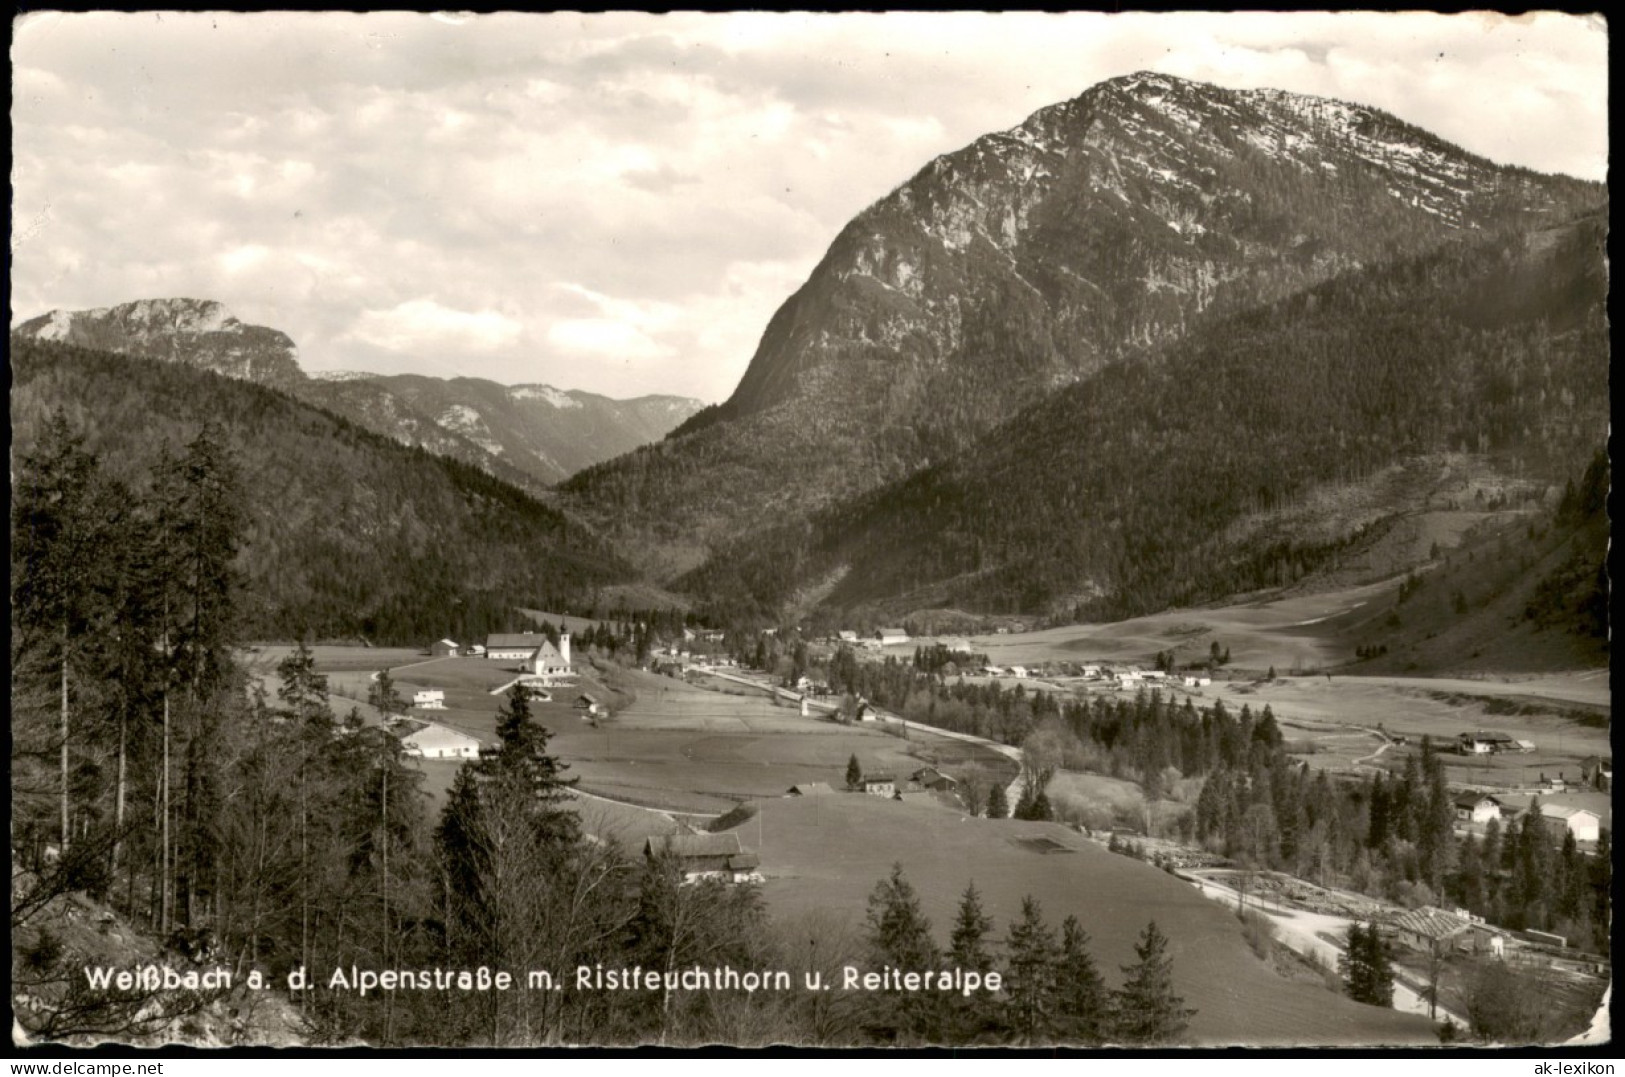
pixel 665 744
pixel 827 853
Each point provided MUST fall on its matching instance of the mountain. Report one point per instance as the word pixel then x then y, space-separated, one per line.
pixel 532 435
pixel 1293 439
pixel 545 433
pixel 349 533
pixel 199 333
pixel 1098 230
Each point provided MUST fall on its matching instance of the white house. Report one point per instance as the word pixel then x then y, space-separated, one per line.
pixel 1583 823
pixel 880 785
pixel 848 636
pixel 438 742
pixel 1018 671
pixel 430 699
pixel 1484 743
pixel 1196 680
pixel 1476 808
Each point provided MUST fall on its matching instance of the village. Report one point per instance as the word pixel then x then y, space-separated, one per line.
pixel 617 707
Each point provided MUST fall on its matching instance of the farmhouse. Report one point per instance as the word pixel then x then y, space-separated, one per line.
pixel 706 856
pixel 957 645
pixel 1476 808
pixel 443 648
pixel 889 637
pixel 1427 929
pixel 512 646
pixel 1018 671
pixel 848 636
pixel 932 778
pixel 880 785
pixel 1484 743
pixel 1583 823
pixel 430 699
pixel 438 742
pixel 1196 680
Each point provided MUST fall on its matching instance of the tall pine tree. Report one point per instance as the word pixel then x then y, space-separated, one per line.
pixel 1145 1009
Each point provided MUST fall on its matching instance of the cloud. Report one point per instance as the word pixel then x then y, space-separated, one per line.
pixel 619 202
pixel 424 323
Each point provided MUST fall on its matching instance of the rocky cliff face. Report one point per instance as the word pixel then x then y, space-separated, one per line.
pixel 1097 229
pixel 199 333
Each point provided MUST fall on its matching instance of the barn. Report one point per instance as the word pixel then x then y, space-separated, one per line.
pixel 706 856
pixel 443 648
pixel 1583 823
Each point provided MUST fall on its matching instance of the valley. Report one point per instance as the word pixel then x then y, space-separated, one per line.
pixel 1186 496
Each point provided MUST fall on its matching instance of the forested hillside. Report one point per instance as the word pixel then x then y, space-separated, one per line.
pixel 1154 483
pixel 1531 594
pixel 1137 214
pixel 346 532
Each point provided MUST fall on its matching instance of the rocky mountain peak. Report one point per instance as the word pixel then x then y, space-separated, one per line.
pixel 199 333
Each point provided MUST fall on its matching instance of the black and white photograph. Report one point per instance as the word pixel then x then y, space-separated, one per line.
pixel 882 532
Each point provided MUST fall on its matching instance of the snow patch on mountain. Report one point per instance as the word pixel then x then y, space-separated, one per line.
pixel 555 397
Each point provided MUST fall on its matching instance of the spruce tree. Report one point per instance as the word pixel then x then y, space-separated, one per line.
pixel 1081 1000
pixel 1030 977
pixel 854 772
pixel 997 806
pixel 970 1017
pixel 900 938
pixel 1145 1009
pixel 1368 975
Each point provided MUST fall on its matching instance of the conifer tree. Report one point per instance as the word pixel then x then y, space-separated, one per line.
pixel 900 937
pixel 997 806
pixel 1368 975
pixel 1081 1000
pixel 1030 978
pixel 1145 1009
pixel 854 772
pixel 970 1016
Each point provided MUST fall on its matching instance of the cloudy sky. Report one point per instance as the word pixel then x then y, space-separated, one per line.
pixel 619 202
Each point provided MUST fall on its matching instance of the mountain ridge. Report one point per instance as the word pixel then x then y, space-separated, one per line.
pixel 532 434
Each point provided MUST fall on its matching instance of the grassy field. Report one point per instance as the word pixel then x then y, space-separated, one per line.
pixel 667 745
pixel 827 853
pixel 1331 712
